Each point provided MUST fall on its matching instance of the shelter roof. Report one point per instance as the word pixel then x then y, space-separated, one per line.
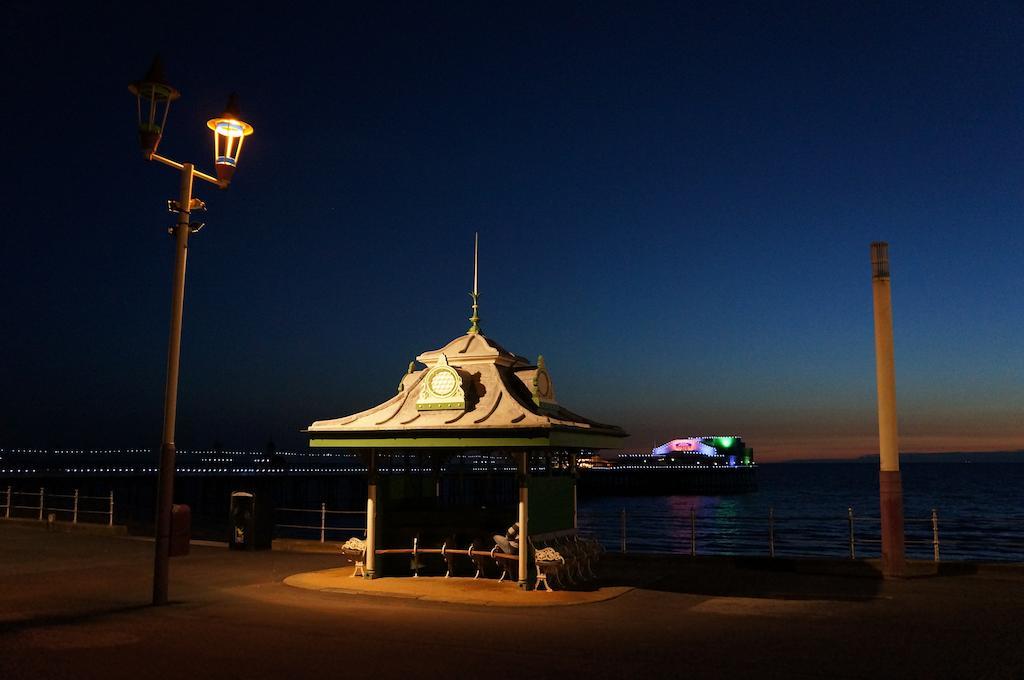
pixel 470 393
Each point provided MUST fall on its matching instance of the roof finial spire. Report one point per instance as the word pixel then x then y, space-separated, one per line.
pixel 475 319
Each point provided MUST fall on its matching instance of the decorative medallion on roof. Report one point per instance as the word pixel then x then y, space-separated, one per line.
pixel 543 391
pixel 442 388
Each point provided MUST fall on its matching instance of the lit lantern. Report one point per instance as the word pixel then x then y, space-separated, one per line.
pixel 229 131
pixel 158 95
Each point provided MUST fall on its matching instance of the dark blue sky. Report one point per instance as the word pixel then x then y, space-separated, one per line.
pixel 674 205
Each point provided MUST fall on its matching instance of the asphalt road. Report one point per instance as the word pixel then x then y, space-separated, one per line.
pixel 75 606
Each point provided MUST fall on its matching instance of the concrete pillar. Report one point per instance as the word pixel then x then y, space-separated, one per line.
pixel 371 516
pixel 524 535
pixel 890 485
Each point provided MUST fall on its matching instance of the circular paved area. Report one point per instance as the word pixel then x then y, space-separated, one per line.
pixel 456 590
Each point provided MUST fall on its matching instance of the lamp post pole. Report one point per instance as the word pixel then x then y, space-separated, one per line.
pixel 165 490
pixel 153 93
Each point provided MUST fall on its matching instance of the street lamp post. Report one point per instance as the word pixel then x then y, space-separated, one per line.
pixel 153 93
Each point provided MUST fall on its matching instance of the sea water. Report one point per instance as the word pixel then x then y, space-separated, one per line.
pixel 979 514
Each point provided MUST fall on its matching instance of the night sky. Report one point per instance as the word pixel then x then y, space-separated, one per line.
pixel 675 206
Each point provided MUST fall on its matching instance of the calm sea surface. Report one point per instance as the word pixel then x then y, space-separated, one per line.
pixel 980 510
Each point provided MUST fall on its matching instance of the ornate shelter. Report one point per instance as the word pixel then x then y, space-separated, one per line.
pixel 472 395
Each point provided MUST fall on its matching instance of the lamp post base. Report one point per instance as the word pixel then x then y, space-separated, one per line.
pixel 165 494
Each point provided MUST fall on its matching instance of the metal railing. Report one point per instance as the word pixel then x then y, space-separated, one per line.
pixel 849 536
pixel 63 506
pixel 322 527
pixel 932 540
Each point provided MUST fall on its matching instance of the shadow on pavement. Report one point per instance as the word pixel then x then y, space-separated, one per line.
pixel 16 626
pixel 798 579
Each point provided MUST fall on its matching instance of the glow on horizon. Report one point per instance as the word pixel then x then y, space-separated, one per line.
pixel 851 447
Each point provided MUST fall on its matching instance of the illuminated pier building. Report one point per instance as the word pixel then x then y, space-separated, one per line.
pixel 690 465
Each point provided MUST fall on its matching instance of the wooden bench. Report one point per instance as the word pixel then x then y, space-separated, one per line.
pixel 356 554
pixel 574 562
pixel 564 555
pixel 476 556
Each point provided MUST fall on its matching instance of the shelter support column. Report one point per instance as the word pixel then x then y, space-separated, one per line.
pixel 435 472
pixel 371 516
pixel 524 535
pixel 890 484
pixel 574 471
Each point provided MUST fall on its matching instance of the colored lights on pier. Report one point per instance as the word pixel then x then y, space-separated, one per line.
pixel 692 445
pixel 721 450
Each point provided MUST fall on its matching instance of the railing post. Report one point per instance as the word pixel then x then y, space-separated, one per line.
pixel 935 534
pixel 853 541
pixel 693 532
pixel 42 493
pixel 9 496
pixel 110 520
pixel 74 511
pixel 771 532
pixel 323 516
pixel 622 531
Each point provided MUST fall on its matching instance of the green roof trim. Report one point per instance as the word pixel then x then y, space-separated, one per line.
pixel 428 442
pixel 582 440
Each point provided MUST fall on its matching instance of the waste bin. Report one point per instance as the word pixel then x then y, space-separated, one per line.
pixel 181 529
pixel 252 522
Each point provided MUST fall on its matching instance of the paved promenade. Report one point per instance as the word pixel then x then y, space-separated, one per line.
pixel 75 606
